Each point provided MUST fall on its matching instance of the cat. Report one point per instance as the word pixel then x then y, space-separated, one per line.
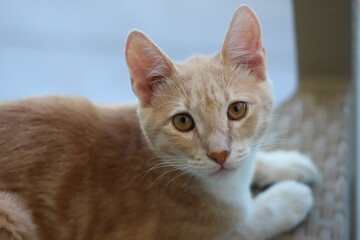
pixel 176 165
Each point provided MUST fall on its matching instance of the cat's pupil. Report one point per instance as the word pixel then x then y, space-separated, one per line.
pixel 236 109
pixel 183 120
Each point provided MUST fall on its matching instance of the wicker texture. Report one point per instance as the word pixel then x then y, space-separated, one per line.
pixel 314 122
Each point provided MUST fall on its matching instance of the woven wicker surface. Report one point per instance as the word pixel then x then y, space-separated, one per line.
pixel 313 121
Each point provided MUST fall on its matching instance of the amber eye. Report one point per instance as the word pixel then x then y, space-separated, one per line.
pixel 237 110
pixel 183 122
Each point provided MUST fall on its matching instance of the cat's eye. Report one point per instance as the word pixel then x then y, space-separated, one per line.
pixel 183 122
pixel 237 110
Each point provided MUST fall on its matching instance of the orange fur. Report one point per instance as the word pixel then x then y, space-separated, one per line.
pixel 71 169
pixel 80 169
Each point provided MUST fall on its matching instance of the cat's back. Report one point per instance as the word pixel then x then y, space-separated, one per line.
pixel 66 158
pixel 37 126
pixel 39 133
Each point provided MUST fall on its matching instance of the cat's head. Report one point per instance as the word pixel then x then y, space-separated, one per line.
pixel 206 114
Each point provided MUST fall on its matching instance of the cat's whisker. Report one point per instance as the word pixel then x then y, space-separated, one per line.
pixel 170 162
pixel 163 157
pixel 153 168
pixel 164 164
pixel 271 135
pixel 163 174
pixel 189 171
pixel 188 179
pixel 167 163
pixel 268 142
pixel 174 179
pixel 273 141
pixel 166 172
pixel 191 181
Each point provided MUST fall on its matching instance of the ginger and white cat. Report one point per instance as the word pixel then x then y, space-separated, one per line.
pixel 176 166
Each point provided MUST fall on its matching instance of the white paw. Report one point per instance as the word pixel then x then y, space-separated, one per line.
pixel 284 206
pixel 285 165
pixel 295 199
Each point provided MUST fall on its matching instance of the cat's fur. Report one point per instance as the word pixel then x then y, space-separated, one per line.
pixel 71 169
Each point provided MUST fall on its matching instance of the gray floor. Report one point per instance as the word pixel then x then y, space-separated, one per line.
pixel 76 47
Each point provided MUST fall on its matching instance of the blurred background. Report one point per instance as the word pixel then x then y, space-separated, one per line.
pixel 76 47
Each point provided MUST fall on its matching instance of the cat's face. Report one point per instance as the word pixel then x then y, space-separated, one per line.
pixel 207 115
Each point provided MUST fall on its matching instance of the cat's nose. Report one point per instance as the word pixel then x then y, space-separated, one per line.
pixel 219 157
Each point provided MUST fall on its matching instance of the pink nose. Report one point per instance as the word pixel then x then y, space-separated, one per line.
pixel 219 157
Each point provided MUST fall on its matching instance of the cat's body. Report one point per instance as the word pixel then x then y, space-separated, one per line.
pixel 177 166
pixel 87 159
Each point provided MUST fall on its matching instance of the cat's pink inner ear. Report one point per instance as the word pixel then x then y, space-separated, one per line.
pixel 243 45
pixel 147 64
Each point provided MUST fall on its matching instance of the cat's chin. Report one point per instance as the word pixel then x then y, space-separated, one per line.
pixel 223 172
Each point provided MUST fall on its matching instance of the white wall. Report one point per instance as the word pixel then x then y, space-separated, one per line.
pixel 76 47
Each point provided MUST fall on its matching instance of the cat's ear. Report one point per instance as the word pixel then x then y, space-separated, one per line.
pixel 148 65
pixel 243 45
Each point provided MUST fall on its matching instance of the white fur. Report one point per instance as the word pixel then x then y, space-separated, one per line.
pixel 284 165
pixel 279 208
pixel 234 188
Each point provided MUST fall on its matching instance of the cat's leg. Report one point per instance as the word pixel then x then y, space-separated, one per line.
pixel 276 210
pixel 15 220
pixel 272 167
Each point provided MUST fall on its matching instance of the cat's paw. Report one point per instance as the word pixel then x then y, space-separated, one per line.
pixel 293 201
pixel 282 207
pixel 281 165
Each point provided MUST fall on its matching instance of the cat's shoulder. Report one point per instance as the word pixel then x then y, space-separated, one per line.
pixel 62 110
pixel 32 122
pixel 44 102
pixel 62 104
